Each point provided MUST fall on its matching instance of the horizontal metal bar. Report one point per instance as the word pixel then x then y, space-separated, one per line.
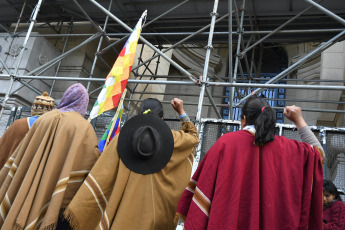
pixel 315 110
pixel 186 33
pixel 278 86
pixel 255 85
pixel 289 126
pixel 185 103
pixel 221 96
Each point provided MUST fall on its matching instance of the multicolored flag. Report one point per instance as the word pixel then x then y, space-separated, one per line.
pixel 101 144
pixel 117 78
pixel 113 129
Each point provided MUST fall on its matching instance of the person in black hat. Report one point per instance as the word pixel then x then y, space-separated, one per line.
pixel 139 178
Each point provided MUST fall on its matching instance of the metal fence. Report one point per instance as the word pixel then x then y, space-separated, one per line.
pixel 332 139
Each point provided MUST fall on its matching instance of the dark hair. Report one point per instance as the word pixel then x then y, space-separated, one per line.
pixel 259 113
pixel 331 188
pixel 154 105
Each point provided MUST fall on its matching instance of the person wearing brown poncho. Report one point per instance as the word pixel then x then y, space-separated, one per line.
pixel 18 129
pixel 137 181
pixel 49 165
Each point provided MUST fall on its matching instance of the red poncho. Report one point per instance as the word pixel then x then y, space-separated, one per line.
pixel 239 185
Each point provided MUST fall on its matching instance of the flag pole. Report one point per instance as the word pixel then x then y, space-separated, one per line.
pixel 115 117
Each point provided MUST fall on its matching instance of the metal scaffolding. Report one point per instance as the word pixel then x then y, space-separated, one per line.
pixel 243 38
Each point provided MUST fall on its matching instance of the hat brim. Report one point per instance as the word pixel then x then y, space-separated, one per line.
pixel 156 162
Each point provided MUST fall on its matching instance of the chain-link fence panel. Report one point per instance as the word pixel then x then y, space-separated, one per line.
pixel 336 158
pixel 211 133
pixel 293 134
pixel 174 124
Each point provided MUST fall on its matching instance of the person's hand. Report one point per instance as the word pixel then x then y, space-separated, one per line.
pixel 294 114
pixel 177 104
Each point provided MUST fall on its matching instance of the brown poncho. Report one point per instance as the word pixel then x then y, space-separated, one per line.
pixel 46 170
pixel 113 197
pixel 11 139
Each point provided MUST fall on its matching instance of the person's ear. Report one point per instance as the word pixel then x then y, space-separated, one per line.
pixel 243 121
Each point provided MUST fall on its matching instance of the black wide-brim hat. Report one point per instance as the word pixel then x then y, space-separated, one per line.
pixel 145 144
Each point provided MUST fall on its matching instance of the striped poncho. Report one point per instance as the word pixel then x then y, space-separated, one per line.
pixel 239 185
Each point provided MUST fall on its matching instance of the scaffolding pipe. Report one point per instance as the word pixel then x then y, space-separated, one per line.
pixel 99 30
pixel 329 13
pixel 222 84
pixel 134 86
pixel 234 76
pixel 20 17
pixel 230 45
pixel 169 102
pixel 225 105
pixel 5 66
pixel 59 64
pixel 183 40
pixel 295 65
pixel 57 59
pixel 177 66
pixel 15 29
pixel 249 32
pixel 153 20
pixel 207 59
pixel 4 28
pixel 47 65
pixel 213 103
pixel 274 31
pixel 33 20
pixel 99 46
pixel 267 99
pixel 199 148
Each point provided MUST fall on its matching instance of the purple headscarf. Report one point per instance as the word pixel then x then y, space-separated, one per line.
pixel 75 99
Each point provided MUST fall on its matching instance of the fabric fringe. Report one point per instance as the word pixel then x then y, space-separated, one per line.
pixel 18 227
pixel 71 219
pixel 179 219
pixel 50 227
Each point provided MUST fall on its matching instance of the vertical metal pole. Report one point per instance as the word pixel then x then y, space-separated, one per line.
pixel 20 17
pixel 199 148
pixel 207 58
pixel 230 56
pixel 323 137
pixel 99 47
pixel 237 59
pixel 33 20
pixel 58 67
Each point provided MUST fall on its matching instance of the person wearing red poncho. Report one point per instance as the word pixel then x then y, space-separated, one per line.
pixel 333 207
pixel 252 179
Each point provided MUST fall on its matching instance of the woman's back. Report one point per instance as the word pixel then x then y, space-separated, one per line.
pixel 252 179
pixel 262 187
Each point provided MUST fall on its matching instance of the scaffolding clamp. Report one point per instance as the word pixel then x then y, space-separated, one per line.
pixel 208 47
pixel 195 80
pixel 214 14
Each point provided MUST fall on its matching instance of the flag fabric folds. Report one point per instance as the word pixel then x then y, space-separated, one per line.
pixel 114 126
pixel 101 144
pixel 117 78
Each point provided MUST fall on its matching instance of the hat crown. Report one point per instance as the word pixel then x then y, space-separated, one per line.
pixel 145 142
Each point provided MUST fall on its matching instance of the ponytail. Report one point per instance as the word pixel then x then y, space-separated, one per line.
pixel 265 126
pixel 259 113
